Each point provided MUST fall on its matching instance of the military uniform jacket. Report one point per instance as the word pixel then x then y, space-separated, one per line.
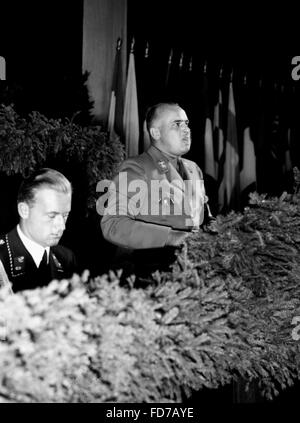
pixel 127 226
pixel 21 269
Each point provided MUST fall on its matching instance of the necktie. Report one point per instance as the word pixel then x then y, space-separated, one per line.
pixel 180 169
pixel 44 270
pixel 44 261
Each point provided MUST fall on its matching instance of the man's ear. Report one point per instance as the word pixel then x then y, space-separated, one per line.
pixel 155 133
pixel 23 210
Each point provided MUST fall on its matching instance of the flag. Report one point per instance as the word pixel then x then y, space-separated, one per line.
pixel 171 84
pixel 131 114
pixel 115 115
pixel 259 134
pixel 168 69
pixel 231 179
pixel 174 88
pixel 248 172
pixel 146 85
pixel 181 91
pixel 218 137
pixel 209 158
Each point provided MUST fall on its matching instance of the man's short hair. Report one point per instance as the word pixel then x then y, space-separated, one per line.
pixel 43 178
pixel 154 111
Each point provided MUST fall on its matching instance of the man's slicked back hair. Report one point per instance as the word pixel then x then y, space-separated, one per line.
pixel 43 178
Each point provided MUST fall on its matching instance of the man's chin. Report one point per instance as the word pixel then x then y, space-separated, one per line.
pixel 186 149
pixel 53 241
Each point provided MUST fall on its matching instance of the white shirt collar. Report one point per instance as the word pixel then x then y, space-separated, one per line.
pixel 35 250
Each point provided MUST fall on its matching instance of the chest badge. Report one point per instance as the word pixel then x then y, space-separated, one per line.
pixel 58 265
pixel 19 263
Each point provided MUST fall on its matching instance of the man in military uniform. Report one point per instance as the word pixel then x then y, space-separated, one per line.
pixel 29 254
pixel 155 220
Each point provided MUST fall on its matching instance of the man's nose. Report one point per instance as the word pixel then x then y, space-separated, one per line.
pixel 186 128
pixel 60 223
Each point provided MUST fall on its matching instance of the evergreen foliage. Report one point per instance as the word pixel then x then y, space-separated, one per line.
pixel 27 143
pixel 224 311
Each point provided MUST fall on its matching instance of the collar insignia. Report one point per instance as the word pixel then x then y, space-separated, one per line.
pixel 163 167
pixel 19 263
pixel 20 259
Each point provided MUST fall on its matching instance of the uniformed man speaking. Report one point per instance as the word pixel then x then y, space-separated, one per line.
pixel 29 254
pixel 157 198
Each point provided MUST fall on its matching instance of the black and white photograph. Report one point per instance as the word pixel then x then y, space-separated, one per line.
pixel 150 206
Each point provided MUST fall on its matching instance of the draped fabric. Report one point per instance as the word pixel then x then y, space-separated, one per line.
pixel 104 21
pixel 116 107
pixel 231 179
pixel 248 171
pixel 169 69
pixel 209 156
pixel 218 133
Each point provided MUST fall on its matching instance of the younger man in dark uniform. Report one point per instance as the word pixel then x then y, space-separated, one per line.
pixel 29 254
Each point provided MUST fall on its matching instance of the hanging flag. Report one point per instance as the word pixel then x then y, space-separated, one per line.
pixel 173 88
pixel 147 90
pixel 259 133
pixel 115 115
pixel 231 166
pixel 218 134
pixel 209 158
pixel 248 172
pixel 168 69
pixel 182 89
pixel 131 114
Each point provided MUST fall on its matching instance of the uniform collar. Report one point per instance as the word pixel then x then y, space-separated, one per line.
pixel 35 250
pixel 162 159
pixel 168 157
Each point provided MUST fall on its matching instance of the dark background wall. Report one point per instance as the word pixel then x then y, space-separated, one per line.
pixel 42 44
pixel 42 41
pixel 243 40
